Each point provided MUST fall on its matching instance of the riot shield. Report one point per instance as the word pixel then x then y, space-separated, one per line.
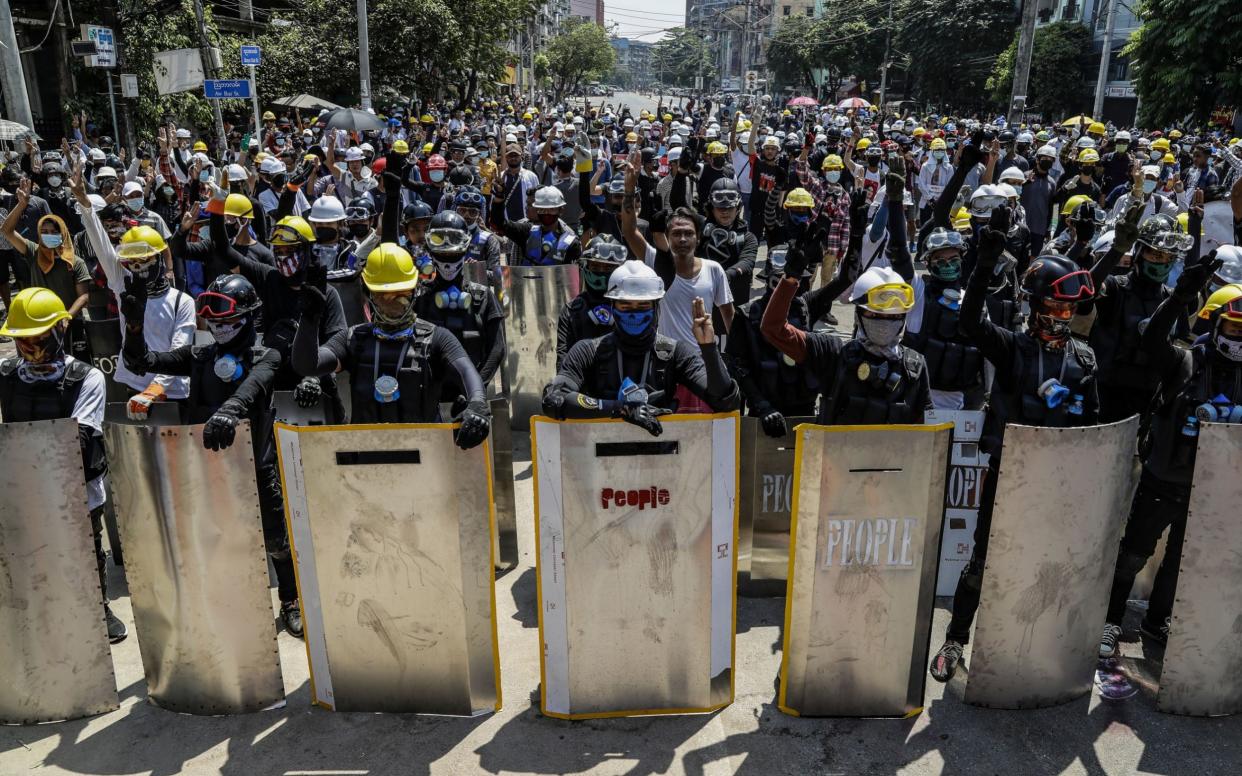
pixel 1060 501
pixel 765 475
pixel 104 337
pixel 352 298
pixel 286 410
pixel 864 542
pixel 56 662
pixel 1204 656
pixel 197 568
pixel 962 494
pixel 636 566
pixel 391 527
pixel 534 298
pixel 501 445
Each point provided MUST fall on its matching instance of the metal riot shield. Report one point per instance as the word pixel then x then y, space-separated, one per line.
pixel 285 409
pixel 1202 673
pixel 765 475
pixel 636 567
pixel 864 548
pixel 501 444
pixel 55 662
pixel 104 338
pixel 535 297
pixel 197 568
pixel 962 494
pixel 391 527
pixel 1056 523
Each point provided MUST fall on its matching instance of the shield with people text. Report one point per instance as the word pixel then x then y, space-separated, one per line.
pixel 636 565
pixel 1061 498
pixel 392 532
pixel 864 545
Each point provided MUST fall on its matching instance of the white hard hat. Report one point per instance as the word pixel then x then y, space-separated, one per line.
pixel 874 278
pixel 771 141
pixel 236 172
pixel 675 140
pixel 96 155
pixel 674 154
pixel 634 281
pixel 271 166
pixel 97 202
pixel 713 132
pixel 511 138
pixel 1007 190
pixel 548 197
pixel 1013 174
pixel 183 134
pixel 1122 137
pixel 367 147
pixel 984 198
pixel 1025 137
pixel 353 154
pixel 1150 169
pixel 325 210
pixel 105 172
pixel 628 123
pixel 1047 150
pixel 1086 141
pixel 743 138
pixel 1104 242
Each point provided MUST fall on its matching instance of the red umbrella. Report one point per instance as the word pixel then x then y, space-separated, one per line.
pixel 853 102
pixel 802 102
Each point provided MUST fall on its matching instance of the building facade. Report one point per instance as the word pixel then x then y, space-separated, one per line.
pixel 633 67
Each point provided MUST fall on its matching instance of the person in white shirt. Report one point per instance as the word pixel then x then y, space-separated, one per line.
pixel 933 176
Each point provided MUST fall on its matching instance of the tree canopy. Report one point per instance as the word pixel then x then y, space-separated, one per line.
pixel 681 56
pixel 580 52
pixel 1060 61
pixel 950 46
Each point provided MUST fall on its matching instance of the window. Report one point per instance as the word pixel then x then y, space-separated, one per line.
pixel 809 11
pixel 785 9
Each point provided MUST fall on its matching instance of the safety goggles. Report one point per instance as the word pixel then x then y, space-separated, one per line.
pixel 470 199
pixel 1073 287
pixel 283 233
pixel 983 206
pixel 215 305
pixel 357 214
pixel 609 252
pixel 136 256
pixel 945 239
pixel 1173 242
pixel 890 298
pixel 1232 310
pixel 726 199
pixel 447 239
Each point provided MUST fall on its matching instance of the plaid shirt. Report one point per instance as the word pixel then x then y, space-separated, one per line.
pixel 832 203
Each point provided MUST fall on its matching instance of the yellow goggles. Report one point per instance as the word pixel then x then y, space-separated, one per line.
pixel 891 298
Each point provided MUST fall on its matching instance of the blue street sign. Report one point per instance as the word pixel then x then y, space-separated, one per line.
pixel 226 90
pixel 250 55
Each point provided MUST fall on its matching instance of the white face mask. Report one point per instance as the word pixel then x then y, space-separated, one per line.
pixel 1155 156
pixel 53 180
pixel 1148 186
pixel 449 270
pixel 833 176
pixel 939 155
pixel 135 204
pixel 1229 347
pixel 224 332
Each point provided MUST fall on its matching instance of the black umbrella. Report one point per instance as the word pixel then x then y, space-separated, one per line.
pixel 353 120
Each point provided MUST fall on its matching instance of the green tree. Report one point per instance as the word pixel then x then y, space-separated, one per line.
pixel 949 47
pixel 580 52
pixel 792 53
pixel 682 56
pixel 1186 59
pixel 825 51
pixel 1060 60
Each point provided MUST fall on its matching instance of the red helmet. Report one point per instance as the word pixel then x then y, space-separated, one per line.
pixel 436 162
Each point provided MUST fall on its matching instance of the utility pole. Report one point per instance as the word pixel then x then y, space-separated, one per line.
pixel 888 36
pixel 744 53
pixel 247 13
pixel 364 56
pixel 1111 9
pixel 210 67
pixel 1022 63
pixel 12 77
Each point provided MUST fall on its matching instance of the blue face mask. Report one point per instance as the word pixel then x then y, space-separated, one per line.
pixel 634 322
pixel 799 218
pixel 51 241
pixel 436 176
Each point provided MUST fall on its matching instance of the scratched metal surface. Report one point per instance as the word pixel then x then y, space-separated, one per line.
pixel 54 658
pixel 1202 673
pixel 197 568
pixel 402 553
pixel 1061 501
pixel 500 441
pixel 638 582
pixel 859 623
pixel 766 477
pixel 533 298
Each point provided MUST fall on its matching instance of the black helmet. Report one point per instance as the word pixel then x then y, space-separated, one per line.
pixel 793 145
pixel 461 176
pixel 1089 212
pixel 360 208
pixel 649 155
pixel 1007 136
pixel 416 211
pixel 447 235
pixel 228 296
pixel 833 133
pixel 616 185
pixel 1057 278
pixel 725 193
pixel 1160 232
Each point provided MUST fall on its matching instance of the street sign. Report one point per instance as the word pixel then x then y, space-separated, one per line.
pixel 251 55
pixel 226 90
pixel 105 45
pixel 129 85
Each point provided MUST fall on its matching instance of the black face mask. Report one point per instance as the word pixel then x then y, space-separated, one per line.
pixel 327 234
pixel 513 163
pixel 232 230
pixel 1045 164
pixel 358 231
pixel 718 163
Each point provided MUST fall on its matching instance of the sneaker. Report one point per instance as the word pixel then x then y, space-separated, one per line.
pixel 291 614
pixel 116 629
pixel 1157 633
pixel 944 664
pixel 1108 642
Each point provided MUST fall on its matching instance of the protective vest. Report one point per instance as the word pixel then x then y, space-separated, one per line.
pixel 544 248
pixel 1169 445
pixel 466 325
pixel 1073 366
pixel 1115 340
pixel 790 388
pixel 21 401
pixel 722 245
pixel 1003 308
pixel 953 362
pixel 408 360
pixel 207 390
pixel 869 392
pixel 606 374
pixel 477 242
pixel 581 324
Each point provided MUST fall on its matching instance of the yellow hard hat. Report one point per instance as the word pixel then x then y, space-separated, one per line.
pixel 526 116
pixel 787 112
pixel 937 144
pixel 1096 128
pixel 269 116
pixel 746 124
pixel 716 147
pixel 832 162
pixel 34 311
pixel 199 145
pixel 668 117
pixel 259 157
pixel 799 198
pixel 426 119
pixel 864 144
pixel 428 147
pixel 142 241
pixel 535 111
pixel 239 206
pixel 632 137
pixel 400 147
pixel 919 131
pixel 1175 133
pixel 569 115
pixel 961 220
pixel 1088 156
pixel 390 268
pixel 1233 141
pixel 1160 144
pixel 292 230
pixel 1073 202
pixel 1168 159
pixel 1221 296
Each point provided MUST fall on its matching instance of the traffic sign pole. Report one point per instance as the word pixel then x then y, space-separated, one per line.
pixel 254 100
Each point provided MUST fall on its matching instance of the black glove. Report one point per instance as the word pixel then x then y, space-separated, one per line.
pixel 308 392
pixel 659 221
pixel 279 181
pixel 301 173
pixel 895 181
pixel 797 259
pixel 773 423
pixel 313 295
pixel 1195 278
pixel 219 431
pixel 392 181
pixel 394 163
pixel 644 416
pixel 476 421
pixel 1125 231
pixel 134 302
pixel 992 241
pixel 972 152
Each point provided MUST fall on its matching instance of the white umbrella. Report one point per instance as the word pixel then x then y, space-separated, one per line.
pixel 12 132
